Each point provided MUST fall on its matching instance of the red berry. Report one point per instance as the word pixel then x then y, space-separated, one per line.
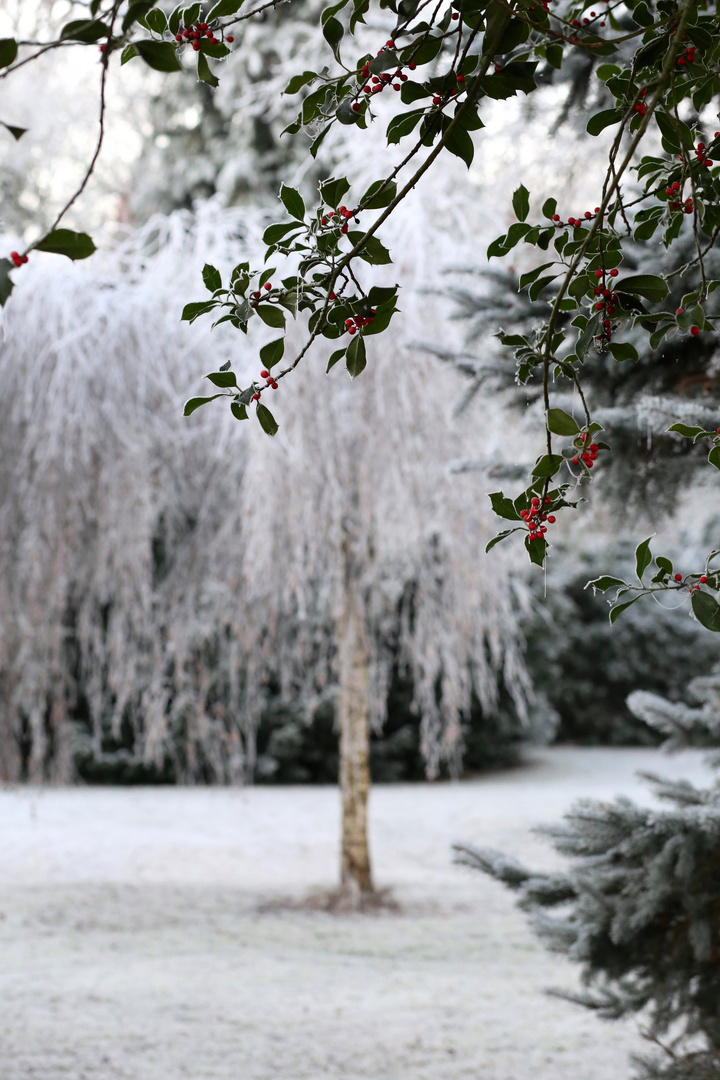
pixel 461 78
pixel 598 273
pixel 556 217
pixel 437 99
pixel 593 447
pixel 588 214
pixel 16 258
pixel 614 273
pixel 196 46
pixel 589 464
pixel 455 15
pixel 268 286
pixel 264 374
pixel 390 44
pixel 694 330
pixel 575 461
pixel 274 386
pixel 703 580
pixel 551 519
pixel 178 37
pixel 230 38
pixel 678 577
pixel 352 329
pixel 412 65
pixel 257 295
pixel 331 296
pixel 357 106
pixel 256 397
pixel 535 501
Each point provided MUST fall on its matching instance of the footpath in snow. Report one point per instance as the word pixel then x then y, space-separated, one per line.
pixel 155 933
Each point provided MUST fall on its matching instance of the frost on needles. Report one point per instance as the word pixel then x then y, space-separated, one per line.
pixel 638 906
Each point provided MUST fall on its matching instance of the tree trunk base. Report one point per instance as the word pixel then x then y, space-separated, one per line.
pixel 340 901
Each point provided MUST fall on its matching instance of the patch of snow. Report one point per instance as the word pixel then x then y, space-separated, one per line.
pixel 141 935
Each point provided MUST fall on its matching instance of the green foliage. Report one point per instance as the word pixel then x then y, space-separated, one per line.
pixel 657 69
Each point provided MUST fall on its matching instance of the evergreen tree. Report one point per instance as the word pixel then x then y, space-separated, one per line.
pixel 638 906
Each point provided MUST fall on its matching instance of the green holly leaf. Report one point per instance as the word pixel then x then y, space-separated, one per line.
pixel 212 278
pixel 293 202
pixel 521 203
pixel 74 245
pixel 706 609
pixel 561 423
pixel 222 378
pixel 643 558
pixel 204 73
pixel 159 55
pixel 356 357
pixel 267 420
pixel 195 403
pixel 8 51
pixel 272 353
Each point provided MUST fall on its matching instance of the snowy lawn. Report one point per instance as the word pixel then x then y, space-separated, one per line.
pixel 143 934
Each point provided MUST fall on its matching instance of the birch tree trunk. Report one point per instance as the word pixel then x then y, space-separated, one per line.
pixel 354 747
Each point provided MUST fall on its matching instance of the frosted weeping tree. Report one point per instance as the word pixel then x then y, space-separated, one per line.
pixel 357 538
pixel 638 907
pixel 157 574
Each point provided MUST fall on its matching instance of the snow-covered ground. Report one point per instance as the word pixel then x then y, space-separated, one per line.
pixel 144 934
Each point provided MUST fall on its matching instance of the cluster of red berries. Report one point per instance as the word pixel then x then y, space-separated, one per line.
pixel 195 33
pixel 377 83
pixel 437 99
pixel 687 56
pixel 606 304
pixel 545 4
pixel 358 322
pixel 17 258
pixel 257 294
pixel 593 15
pixel 269 381
pixel 344 213
pixel 640 106
pixel 587 456
pixel 700 154
pixel 687 207
pixel 577 223
pixel 692 588
pixel 534 518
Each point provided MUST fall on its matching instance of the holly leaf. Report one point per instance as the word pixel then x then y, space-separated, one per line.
pixel 503 506
pixel 16 132
pixel 561 423
pixel 272 353
pixel 521 203
pixel 293 202
pixel 547 465
pixel 267 421
pixel 212 278
pixel 222 378
pixel 602 584
pixel 643 558
pixel 356 357
pixel 6 282
pixel 159 55
pixel 204 73
pixel 195 403
pixel 74 245
pixel 706 610
pixel 8 51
